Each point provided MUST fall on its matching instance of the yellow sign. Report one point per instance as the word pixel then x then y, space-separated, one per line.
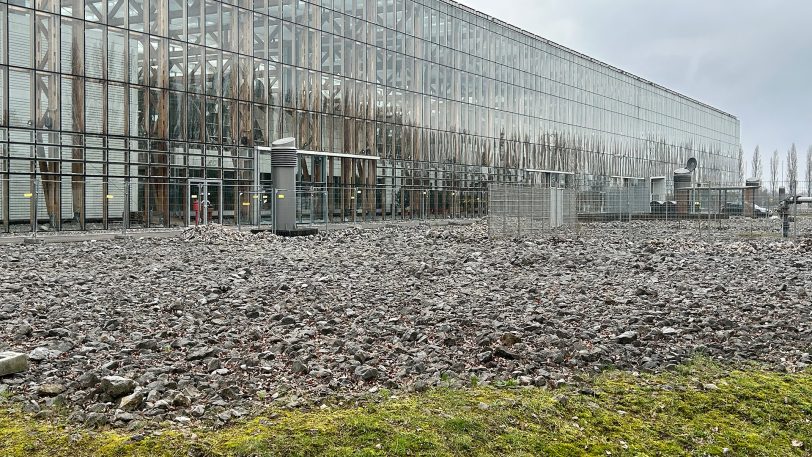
pixel 109 197
pixel 28 195
pixel 280 196
pixel 246 204
pixel 255 197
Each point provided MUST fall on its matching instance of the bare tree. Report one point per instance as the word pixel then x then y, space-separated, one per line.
pixel 809 171
pixel 756 167
pixel 775 162
pixel 792 170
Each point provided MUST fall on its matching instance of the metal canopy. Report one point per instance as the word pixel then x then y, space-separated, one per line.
pixel 327 154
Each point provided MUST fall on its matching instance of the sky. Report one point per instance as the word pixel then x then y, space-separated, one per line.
pixel 750 58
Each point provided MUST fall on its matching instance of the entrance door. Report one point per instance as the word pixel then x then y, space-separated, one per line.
pixel 205 197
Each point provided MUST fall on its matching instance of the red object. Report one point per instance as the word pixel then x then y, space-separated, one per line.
pixel 196 209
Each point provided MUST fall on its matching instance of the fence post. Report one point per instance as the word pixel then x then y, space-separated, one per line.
pixel 35 200
pixel 125 218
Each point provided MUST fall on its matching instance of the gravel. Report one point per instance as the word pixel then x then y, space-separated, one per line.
pixel 215 324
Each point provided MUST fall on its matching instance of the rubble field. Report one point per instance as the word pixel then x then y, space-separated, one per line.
pixel 217 324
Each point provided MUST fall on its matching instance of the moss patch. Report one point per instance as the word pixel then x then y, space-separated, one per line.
pixel 699 409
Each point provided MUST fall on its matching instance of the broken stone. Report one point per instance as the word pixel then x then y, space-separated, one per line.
pixel 117 386
pixel 12 362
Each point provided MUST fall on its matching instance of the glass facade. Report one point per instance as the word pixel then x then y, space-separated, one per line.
pixel 117 109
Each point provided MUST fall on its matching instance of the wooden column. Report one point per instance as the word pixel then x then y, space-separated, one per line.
pixel 347 173
pixel 318 191
pixel 331 190
pixel 48 96
pixel 370 185
pixel 78 102
pixel 360 170
pixel 160 157
pixel 244 128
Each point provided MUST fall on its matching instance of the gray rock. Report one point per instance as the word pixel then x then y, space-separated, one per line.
pixel 132 402
pixel 627 337
pixel 50 389
pixel 300 367
pixel 95 420
pixel 465 305
pixel 23 331
pixel 181 401
pixel 87 380
pixel 41 353
pixel 147 345
pixel 509 339
pixel 505 353
pixel 366 372
pixel 12 363
pixel 485 357
pixel 203 353
pixel 117 386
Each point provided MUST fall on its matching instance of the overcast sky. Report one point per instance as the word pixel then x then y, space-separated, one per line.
pixel 751 58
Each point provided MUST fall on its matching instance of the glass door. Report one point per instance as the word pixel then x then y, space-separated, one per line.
pixel 205 202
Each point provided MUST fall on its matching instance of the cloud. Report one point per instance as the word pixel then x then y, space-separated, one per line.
pixel 750 58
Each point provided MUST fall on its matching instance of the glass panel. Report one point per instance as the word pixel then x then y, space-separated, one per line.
pixel 195 69
pixel 177 66
pixel 194 22
pixel 177 21
pixel 115 109
pixel 212 120
pixel 194 117
pixel 260 36
pixel 95 10
pixel 137 111
pixel 287 43
pixel 158 21
pixel 212 24
pixel 136 9
pixel 116 53
pixel 137 57
pixel 229 75
pixel 47 42
pixel 177 120
pixel 213 75
pixel 94 50
pixel 228 28
pixel 47 101
pixel 94 106
pixel 117 12
pixel 274 40
pixel 20 37
pixel 19 100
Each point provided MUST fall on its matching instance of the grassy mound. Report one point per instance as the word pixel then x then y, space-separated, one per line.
pixel 699 409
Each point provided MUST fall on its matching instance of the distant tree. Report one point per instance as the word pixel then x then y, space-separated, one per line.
pixel 809 171
pixel 775 162
pixel 792 170
pixel 742 165
pixel 756 167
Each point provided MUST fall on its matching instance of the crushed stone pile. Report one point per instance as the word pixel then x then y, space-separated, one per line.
pixel 217 324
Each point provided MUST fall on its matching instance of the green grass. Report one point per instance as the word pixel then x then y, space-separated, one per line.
pixel 752 412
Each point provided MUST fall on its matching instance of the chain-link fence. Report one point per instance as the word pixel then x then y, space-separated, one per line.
pixel 518 210
pixel 72 203
pixel 706 209
pixel 75 203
